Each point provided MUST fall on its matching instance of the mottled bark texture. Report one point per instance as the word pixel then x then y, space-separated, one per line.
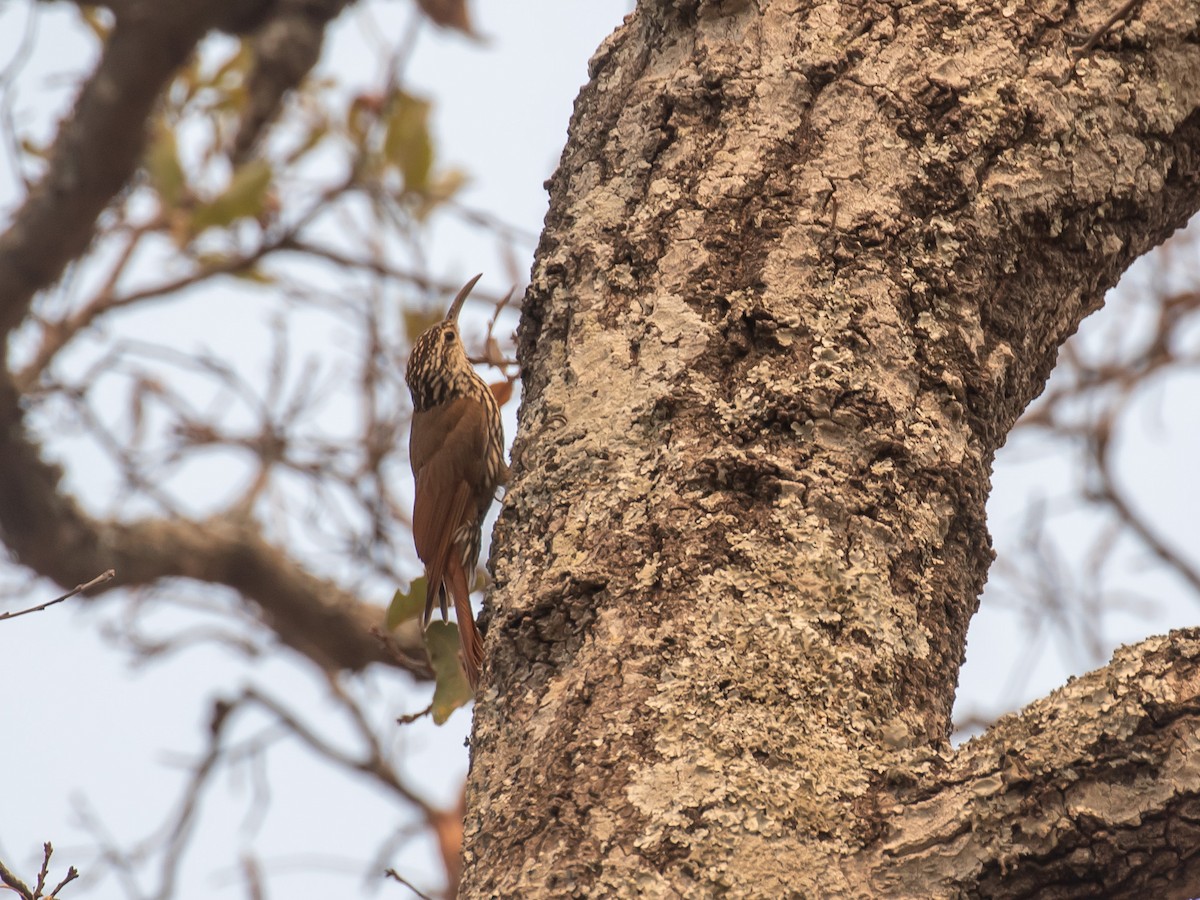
pixel 804 266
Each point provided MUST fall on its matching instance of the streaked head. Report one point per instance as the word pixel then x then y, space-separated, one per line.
pixel 438 363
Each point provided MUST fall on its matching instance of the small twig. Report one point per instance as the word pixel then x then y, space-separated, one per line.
pixel 47 852
pixel 1111 494
pixel 499 309
pixel 72 874
pixel 1099 33
pixel 78 589
pixel 392 873
pixel 412 717
pixel 13 883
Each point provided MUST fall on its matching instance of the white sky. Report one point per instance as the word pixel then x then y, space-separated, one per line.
pixel 78 722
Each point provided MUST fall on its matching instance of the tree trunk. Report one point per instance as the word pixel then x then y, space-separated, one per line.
pixel 804 266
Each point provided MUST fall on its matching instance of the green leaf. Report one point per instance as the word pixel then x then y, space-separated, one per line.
pixel 407 144
pixel 245 196
pixel 452 690
pixel 162 165
pixel 405 606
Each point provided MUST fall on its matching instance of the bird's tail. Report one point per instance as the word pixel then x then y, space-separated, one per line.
pixel 468 634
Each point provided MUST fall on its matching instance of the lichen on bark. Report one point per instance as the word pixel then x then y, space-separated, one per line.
pixel 804 266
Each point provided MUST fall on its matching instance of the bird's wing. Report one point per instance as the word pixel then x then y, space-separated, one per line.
pixel 446 451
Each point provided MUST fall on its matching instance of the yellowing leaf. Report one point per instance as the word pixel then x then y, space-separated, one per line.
pixel 407 144
pixel 246 196
pixel 417 322
pixel 362 112
pixel 405 606
pixel 162 165
pixel 233 71
pixel 452 689
pixel 254 275
pixel 482 579
pixel 30 148
pixel 440 189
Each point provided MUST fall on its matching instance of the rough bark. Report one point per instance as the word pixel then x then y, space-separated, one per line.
pixel 804 266
pixel 1092 792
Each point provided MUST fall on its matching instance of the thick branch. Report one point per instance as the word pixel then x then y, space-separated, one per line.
pixel 286 47
pixel 99 146
pixel 1092 791
pixel 47 531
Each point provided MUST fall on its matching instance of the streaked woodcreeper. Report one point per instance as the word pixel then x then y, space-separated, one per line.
pixel 456 448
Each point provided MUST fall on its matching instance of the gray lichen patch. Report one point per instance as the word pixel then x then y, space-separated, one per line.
pixel 804 266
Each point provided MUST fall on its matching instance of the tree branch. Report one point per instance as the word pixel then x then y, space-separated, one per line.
pixel 1095 788
pixel 286 47
pixel 18 887
pixel 48 532
pixel 99 146
pixel 78 589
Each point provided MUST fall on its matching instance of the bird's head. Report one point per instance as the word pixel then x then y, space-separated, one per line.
pixel 438 368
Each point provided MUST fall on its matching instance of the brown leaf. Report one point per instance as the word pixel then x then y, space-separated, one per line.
pixel 448 14
pixel 502 391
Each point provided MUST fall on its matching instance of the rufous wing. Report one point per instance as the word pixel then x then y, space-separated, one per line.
pixel 447 455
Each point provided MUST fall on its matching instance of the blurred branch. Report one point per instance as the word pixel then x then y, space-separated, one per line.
pixel 48 532
pixel 1109 493
pixel 382 268
pixel 396 876
pixel 99 146
pixel 286 46
pixel 222 750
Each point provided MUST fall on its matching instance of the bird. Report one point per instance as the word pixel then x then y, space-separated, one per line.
pixel 456 449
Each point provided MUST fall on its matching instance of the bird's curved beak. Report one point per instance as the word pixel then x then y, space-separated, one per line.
pixel 460 299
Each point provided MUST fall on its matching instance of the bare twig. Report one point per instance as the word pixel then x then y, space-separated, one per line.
pixel 396 876
pixel 413 717
pixel 1111 494
pixel 78 589
pixel 13 883
pixel 1098 35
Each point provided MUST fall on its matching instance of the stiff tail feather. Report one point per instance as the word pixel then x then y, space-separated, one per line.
pixel 468 634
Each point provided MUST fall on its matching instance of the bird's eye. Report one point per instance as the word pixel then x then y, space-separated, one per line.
pixel 448 337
